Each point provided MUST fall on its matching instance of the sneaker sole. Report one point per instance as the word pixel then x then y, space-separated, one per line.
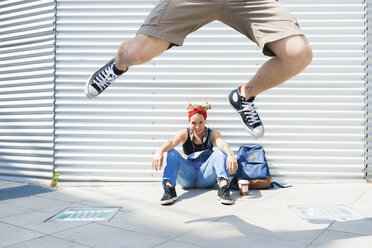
pixel 86 88
pixel 87 82
pixel 226 202
pixel 255 135
pixel 167 202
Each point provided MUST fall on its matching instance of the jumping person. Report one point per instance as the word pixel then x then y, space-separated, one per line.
pixel 265 22
pixel 200 166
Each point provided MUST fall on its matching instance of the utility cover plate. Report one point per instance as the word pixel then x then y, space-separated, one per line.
pixel 86 214
pixel 340 213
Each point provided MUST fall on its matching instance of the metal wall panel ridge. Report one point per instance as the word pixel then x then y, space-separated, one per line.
pixel 369 89
pixel 314 122
pixel 26 89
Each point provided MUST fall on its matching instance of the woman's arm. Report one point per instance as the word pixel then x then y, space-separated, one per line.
pixel 231 162
pixel 181 136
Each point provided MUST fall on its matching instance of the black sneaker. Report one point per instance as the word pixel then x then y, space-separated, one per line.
pixel 169 196
pixel 247 112
pixel 224 195
pixel 101 79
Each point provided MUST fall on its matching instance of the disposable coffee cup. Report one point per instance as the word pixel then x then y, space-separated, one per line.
pixel 243 186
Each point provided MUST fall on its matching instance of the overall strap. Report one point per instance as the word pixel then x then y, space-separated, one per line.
pixel 209 144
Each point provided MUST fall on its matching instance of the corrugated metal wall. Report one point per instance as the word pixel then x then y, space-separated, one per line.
pixel 368 89
pixel 26 89
pixel 314 123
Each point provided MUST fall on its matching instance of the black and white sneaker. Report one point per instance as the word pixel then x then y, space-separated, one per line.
pixel 224 195
pixel 101 79
pixel 247 112
pixel 169 196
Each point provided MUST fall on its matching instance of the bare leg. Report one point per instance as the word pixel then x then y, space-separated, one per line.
pixel 293 55
pixel 136 51
pixel 139 50
pixel 169 184
pixel 223 182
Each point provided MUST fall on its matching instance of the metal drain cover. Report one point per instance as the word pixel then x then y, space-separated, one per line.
pixel 326 213
pixel 85 214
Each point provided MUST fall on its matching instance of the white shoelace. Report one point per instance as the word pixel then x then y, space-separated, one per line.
pixel 250 112
pixel 106 77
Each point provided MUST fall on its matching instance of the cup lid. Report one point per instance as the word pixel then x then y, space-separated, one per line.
pixel 242 181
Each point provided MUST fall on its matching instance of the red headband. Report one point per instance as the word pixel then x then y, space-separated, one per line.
pixel 200 111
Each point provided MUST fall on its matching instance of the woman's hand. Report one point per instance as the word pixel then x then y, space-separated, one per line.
pixel 231 163
pixel 157 161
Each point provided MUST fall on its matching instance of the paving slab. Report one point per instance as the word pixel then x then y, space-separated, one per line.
pixel 7 210
pixel 91 193
pixel 37 221
pixel 336 239
pixel 321 194
pixel 47 241
pixel 228 235
pixel 10 234
pixel 97 235
pixel 129 199
pixel 262 219
pixel 8 184
pixel 188 210
pixel 20 191
pixel 66 196
pixel 196 204
pixel 34 202
pixel 158 226
pixel 363 204
pixel 362 227
pixel 176 244
pixel 268 222
pixel 55 210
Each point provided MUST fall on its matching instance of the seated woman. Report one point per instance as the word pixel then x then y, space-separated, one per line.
pixel 200 167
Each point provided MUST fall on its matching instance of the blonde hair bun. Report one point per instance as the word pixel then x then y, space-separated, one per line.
pixel 206 106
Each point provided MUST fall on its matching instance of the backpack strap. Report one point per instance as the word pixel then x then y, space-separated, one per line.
pixel 273 184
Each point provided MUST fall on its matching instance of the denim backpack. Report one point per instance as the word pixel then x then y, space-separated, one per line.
pixel 252 165
pixel 252 162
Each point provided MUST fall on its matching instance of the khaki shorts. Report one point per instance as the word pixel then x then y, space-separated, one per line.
pixel 262 21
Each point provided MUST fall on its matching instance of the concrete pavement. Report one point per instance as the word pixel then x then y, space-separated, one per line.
pixel 197 219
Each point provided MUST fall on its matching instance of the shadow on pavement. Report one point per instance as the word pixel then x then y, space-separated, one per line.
pixel 22 191
pixel 247 229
